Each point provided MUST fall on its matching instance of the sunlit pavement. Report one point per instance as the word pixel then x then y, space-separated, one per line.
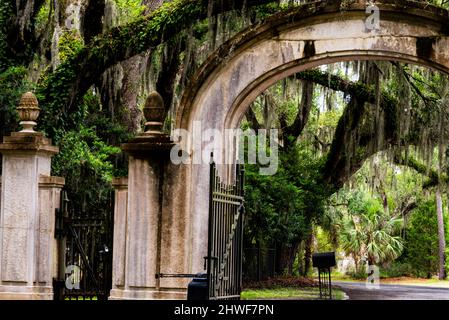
pixel 359 291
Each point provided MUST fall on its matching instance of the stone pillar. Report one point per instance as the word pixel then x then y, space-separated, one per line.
pixel 29 197
pixel 140 245
pixel 47 247
pixel 119 241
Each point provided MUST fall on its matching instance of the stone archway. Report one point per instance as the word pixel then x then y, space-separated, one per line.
pixel 311 35
pixel 306 37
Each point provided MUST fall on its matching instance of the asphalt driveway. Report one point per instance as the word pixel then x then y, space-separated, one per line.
pixel 359 291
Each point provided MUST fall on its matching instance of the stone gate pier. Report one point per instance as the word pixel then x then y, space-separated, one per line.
pixel 29 197
pixel 150 226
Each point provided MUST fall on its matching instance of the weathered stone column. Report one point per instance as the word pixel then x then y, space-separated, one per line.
pixel 29 197
pixel 47 248
pixel 141 245
pixel 120 225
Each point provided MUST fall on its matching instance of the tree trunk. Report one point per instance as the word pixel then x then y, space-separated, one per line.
pixel 308 254
pixel 21 39
pixel 283 259
pixel 356 262
pixel 130 115
pixel 279 258
pixel 441 236
pixel 286 258
pixel 300 258
pixel 293 252
pixel 92 19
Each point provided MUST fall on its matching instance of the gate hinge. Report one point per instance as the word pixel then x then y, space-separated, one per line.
pixel 206 260
pixel 59 224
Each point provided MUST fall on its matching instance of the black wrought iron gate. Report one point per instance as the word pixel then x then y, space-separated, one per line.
pixel 84 241
pixel 225 246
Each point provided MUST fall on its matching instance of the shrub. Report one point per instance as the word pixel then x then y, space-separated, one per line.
pixel 422 240
pixel 397 269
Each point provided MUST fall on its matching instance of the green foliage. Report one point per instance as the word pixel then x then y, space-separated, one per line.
pixel 263 12
pixel 43 16
pixel 282 207
pixel 5 15
pixel 129 10
pixel 61 88
pixel 330 118
pixel 62 92
pixel 70 43
pixel 324 243
pixel 12 85
pixel 398 269
pixel 422 240
pixel 440 3
pixel 84 162
pixel 274 207
pixel 359 274
pixel 368 232
pixel 447 255
pixel 87 157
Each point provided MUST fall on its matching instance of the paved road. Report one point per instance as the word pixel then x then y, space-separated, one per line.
pixel 358 291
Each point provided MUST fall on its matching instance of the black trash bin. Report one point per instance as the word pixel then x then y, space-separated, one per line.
pixel 198 288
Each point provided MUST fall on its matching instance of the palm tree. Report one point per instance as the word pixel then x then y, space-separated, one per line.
pixel 371 233
pixel 351 240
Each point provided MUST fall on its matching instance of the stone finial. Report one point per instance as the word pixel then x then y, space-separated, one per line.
pixel 154 112
pixel 28 111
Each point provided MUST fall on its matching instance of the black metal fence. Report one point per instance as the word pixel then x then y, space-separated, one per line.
pixel 85 253
pixel 258 263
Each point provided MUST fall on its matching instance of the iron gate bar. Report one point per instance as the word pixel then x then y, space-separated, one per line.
pixel 224 259
pixel 83 255
pixel 228 247
pixel 85 240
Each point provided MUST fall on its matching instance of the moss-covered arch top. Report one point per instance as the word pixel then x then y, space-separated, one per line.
pixel 304 37
pixel 308 36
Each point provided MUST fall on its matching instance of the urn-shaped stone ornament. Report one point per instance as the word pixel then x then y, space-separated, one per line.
pixel 28 111
pixel 154 113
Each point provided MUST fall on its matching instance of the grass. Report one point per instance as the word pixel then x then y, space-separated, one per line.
pixel 292 293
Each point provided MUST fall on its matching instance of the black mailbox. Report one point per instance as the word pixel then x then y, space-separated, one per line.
pixel 323 260
pixel 198 288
